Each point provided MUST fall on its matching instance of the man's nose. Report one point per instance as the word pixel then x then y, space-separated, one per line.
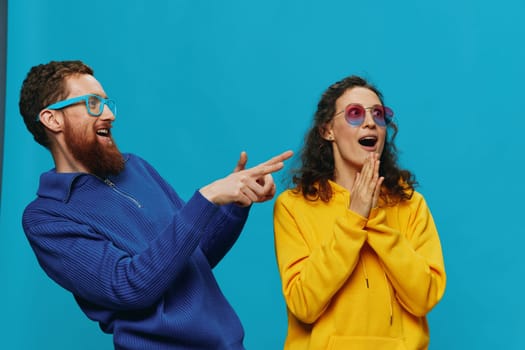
pixel 107 114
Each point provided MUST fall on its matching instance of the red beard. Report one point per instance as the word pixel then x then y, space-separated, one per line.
pixel 99 159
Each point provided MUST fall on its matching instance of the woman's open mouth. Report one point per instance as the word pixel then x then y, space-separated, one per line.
pixel 368 141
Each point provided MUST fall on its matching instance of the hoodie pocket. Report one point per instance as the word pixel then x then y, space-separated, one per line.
pixel 365 343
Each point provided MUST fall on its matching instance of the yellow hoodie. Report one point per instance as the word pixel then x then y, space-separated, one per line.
pixel 355 283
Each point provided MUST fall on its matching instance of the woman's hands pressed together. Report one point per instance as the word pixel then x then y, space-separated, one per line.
pixel 367 187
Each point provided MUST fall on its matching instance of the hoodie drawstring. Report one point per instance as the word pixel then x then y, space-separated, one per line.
pixel 390 297
pixel 364 271
pixel 387 287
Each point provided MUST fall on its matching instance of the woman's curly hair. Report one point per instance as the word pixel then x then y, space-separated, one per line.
pixel 317 157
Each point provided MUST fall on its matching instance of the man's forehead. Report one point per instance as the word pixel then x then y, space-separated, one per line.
pixel 82 84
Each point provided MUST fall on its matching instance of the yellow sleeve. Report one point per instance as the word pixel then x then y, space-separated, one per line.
pixel 411 256
pixel 314 265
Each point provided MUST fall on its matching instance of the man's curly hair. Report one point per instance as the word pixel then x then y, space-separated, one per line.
pixel 44 85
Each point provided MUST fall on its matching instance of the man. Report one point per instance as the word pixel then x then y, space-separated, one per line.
pixel 108 228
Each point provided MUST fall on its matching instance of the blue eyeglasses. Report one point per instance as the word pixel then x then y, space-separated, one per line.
pixel 94 104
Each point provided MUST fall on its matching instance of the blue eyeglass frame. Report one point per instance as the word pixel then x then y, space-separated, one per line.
pixel 74 100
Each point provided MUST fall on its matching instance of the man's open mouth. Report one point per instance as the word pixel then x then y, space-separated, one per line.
pixel 103 132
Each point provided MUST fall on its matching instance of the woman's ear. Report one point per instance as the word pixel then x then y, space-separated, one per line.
pixel 327 132
pixel 51 119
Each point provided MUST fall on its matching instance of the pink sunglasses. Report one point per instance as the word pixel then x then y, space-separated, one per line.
pixel 355 114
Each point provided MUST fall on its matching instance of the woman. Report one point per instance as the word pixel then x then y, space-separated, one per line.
pixel 357 249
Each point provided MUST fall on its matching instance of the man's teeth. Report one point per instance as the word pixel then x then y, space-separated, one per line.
pixel 103 132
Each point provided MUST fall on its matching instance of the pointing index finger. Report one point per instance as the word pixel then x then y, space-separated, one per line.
pixel 272 165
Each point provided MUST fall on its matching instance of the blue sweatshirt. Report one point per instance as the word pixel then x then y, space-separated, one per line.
pixel 136 257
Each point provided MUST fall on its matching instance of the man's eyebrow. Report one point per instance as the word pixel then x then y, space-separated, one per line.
pixel 101 95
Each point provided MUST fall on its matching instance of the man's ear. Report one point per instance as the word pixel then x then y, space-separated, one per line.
pixel 52 119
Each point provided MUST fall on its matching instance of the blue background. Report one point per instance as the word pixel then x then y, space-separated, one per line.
pixel 198 81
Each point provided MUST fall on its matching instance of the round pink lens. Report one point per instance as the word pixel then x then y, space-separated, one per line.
pixel 355 114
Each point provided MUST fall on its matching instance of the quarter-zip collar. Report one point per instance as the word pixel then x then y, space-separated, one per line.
pixel 58 185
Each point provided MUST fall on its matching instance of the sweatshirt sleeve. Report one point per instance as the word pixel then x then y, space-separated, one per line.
pixel 312 274
pixel 228 226
pixel 412 257
pixel 96 269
